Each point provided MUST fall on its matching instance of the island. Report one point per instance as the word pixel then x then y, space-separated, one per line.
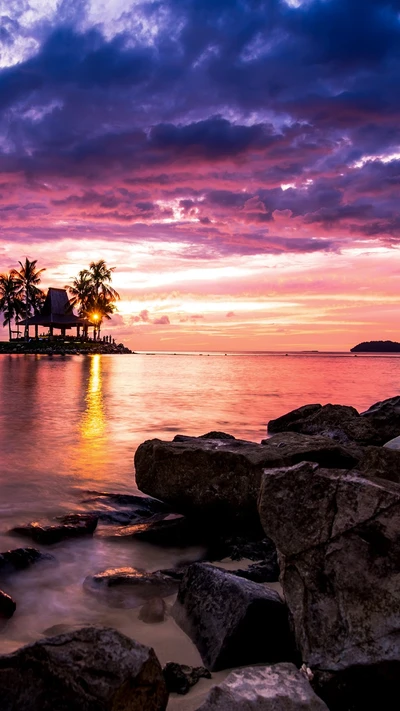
pixel 376 347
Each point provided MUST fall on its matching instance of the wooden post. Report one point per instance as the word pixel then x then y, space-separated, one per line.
pixel 36 332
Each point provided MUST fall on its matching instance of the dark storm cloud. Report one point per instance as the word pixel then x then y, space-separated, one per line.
pixel 205 117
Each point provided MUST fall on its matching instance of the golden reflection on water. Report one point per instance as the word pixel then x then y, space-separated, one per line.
pixel 93 421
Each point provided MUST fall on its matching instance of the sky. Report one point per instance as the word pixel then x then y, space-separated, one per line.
pixel 237 161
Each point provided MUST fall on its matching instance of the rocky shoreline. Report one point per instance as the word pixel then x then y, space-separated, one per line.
pixel 49 348
pixel 316 506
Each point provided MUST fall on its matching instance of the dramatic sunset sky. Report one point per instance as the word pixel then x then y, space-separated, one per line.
pixel 237 161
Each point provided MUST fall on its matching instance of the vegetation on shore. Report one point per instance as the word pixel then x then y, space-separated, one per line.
pixel 376 347
pixel 91 293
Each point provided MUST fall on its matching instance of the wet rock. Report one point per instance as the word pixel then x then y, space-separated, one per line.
pixel 283 423
pixel 339 422
pixel 22 558
pixel 217 481
pixel 92 669
pixel 209 435
pixel 384 416
pixel 381 463
pixel 159 530
pixel 180 678
pixel 223 615
pixel 337 535
pixel 129 587
pixel 125 508
pixel 7 605
pixel 153 611
pixel 70 526
pixel 280 687
pixel 393 443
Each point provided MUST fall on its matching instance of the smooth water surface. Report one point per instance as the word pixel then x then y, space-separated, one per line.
pixel 70 425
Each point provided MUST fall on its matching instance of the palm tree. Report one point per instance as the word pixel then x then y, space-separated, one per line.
pixel 27 279
pixel 92 292
pixel 10 301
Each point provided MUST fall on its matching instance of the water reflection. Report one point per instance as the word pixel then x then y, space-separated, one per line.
pixel 93 420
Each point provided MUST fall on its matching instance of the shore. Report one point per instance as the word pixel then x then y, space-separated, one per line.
pixel 62 348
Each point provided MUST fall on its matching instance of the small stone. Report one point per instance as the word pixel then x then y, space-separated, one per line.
pixel 180 678
pixel 153 611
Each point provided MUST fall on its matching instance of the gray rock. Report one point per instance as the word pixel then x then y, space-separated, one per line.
pixel 283 423
pixel 384 416
pixel 70 526
pixel 92 669
pixel 209 435
pixel 180 678
pixel 7 605
pixel 22 558
pixel 338 540
pixel 339 422
pixel 294 447
pixel 153 611
pixel 381 463
pixel 393 443
pixel 232 621
pixel 129 587
pixel 280 687
pixel 218 480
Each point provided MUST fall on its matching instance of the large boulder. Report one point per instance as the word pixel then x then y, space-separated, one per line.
pixel 218 480
pixel 339 422
pixel 280 687
pixel 384 416
pixel 293 447
pixel 232 621
pixel 92 669
pixel 338 540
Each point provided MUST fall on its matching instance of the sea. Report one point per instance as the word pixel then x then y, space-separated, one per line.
pixel 69 426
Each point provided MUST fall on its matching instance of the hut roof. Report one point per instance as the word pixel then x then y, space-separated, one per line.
pixel 56 311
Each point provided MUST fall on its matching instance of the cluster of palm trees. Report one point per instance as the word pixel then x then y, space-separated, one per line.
pixel 91 293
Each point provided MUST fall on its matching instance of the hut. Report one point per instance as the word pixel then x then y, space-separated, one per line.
pixel 57 313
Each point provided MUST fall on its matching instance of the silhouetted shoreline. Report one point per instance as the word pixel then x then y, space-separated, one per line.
pixel 376 347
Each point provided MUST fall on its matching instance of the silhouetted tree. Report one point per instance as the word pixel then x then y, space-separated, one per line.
pixel 11 304
pixel 27 279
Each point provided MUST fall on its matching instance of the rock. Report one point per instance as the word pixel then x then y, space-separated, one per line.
pixel 294 447
pixel 209 435
pixel 381 463
pixel 159 530
pixel 217 481
pixel 393 443
pixel 125 508
pixel 280 687
pixel 265 572
pixel 283 423
pixel 21 558
pixel 7 605
pixel 92 669
pixel 337 535
pixel 129 587
pixel 153 611
pixel 71 526
pixel 180 678
pixel 384 416
pixel 223 615
pixel 339 422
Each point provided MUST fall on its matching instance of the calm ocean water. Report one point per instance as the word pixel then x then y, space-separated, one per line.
pixel 68 425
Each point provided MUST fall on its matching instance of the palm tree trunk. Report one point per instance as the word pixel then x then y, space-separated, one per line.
pixel 26 334
pixel 9 330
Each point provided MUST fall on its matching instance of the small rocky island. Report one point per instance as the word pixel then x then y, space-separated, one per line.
pixel 315 506
pixel 376 347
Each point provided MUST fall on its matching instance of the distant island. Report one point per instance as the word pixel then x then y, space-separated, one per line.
pixel 376 347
